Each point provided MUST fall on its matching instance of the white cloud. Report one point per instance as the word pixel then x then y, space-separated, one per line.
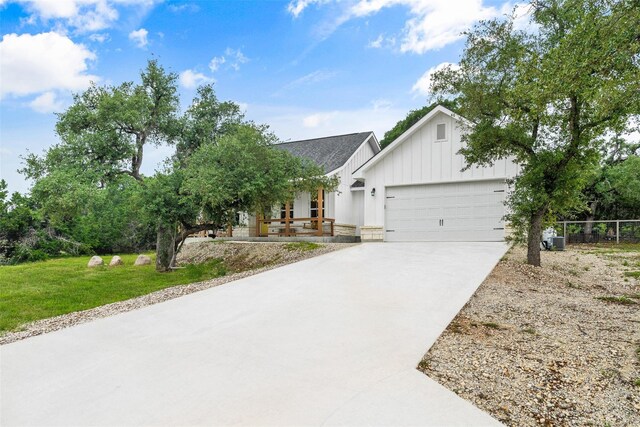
pixel 47 103
pixel 318 119
pixel 295 7
pixel 232 57
pixel 381 104
pixel 139 37
pixel 37 63
pixel 377 43
pixel 191 79
pixel 99 37
pixel 216 62
pixel 311 78
pixel 432 24
pixel 235 58
pixel 184 7
pixel 293 123
pixel 81 15
pixel 423 85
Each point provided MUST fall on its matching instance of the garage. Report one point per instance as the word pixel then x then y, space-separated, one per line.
pixel 461 211
pixel 420 187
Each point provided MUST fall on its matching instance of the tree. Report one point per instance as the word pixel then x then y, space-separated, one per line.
pixel 412 118
pixel 545 97
pixel 611 194
pixel 221 165
pixel 239 172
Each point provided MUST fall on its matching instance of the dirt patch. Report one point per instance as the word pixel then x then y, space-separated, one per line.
pixel 241 259
pixel 242 256
pixel 558 345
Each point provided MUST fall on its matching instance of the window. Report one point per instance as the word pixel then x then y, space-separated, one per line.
pixel 283 211
pixel 441 132
pixel 314 207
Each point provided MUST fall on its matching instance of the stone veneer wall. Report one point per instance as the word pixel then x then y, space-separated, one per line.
pixel 371 233
pixel 344 230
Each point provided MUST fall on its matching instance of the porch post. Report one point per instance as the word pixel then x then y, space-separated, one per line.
pixel 287 218
pixel 320 214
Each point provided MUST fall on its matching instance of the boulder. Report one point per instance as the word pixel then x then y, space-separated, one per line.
pixel 115 261
pixel 95 261
pixel 142 260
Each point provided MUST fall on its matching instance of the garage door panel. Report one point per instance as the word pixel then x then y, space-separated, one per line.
pixel 471 211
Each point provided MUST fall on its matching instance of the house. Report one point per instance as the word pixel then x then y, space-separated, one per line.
pixel 342 211
pixel 415 189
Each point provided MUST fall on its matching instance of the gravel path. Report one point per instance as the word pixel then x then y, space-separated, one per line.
pixel 243 259
pixel 538 346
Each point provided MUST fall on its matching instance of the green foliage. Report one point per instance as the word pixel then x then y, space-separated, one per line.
pixel 51 288
pixel 302 246
pixel 618 190
pixel 89 188
pixel 546 98
pixel 412 118
pixel 244 173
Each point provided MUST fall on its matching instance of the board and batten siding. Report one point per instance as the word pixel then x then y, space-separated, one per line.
pixel 421 159
pixel 343 199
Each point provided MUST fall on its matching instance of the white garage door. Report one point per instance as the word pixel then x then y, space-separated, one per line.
pixel 462 212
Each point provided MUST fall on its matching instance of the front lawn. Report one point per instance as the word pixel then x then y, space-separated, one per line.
pixel 50 288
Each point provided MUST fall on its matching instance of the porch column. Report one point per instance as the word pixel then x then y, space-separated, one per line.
pixel 258 228
pixel 320 214
pixel 287 218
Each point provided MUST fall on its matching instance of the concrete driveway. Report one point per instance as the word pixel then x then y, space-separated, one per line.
pixel 333 340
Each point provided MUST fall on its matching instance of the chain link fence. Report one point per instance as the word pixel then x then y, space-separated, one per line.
pixel 605 231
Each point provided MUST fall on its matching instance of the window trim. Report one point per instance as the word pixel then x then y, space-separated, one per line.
pixel 445 132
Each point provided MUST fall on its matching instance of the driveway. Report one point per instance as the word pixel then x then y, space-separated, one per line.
pixel 332 340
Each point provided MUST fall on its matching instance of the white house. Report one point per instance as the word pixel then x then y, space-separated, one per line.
pixel 415 189
pixel 342 210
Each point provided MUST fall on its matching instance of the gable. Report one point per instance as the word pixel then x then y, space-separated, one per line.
pixel 427 128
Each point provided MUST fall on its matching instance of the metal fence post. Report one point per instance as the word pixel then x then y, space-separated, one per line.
pixel 618 231
pixel 564 230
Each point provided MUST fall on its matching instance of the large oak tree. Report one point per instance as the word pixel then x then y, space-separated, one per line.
pixel 545 96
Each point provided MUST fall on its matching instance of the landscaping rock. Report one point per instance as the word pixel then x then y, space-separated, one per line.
pixel 116 261
pixel 143 260
pixel 95 261
pixel 551 346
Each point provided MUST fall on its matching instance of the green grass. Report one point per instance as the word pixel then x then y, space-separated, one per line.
pixel 45 289
pixel 624 300
pixel 491 325
pixel 302 246
pixel 635 274
pixel 610 248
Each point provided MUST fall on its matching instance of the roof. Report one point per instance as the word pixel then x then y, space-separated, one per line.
pixel 359 173
pixel 330 152
pixel 357 184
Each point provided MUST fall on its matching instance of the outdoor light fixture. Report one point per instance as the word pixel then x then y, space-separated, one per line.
pixel 373 192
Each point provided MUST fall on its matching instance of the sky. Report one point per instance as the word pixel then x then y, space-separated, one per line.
pixel 306 68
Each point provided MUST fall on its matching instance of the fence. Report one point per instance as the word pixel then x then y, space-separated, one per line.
pixel 611 231
pixel 295 227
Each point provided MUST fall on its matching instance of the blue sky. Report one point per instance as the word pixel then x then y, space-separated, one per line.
pixel 307 68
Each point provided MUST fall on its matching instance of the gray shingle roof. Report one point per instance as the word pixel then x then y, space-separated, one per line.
pixel 330 152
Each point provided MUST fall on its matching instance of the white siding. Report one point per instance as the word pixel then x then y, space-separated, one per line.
pixel 422 160
pixel 345 212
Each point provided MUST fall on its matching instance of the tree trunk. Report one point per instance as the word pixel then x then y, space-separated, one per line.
pixel 588 226
pixel 533 238
pixel 165 247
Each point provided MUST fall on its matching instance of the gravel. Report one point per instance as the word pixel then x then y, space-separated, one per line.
pixel 539 346
pixel 243 259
